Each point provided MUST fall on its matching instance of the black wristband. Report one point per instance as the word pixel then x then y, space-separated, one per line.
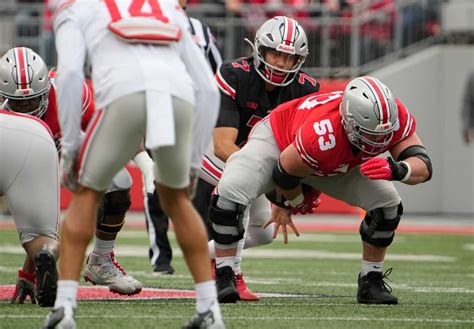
pixel 399 169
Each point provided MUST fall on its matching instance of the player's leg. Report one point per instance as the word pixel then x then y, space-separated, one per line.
pixel 112 139
pixel 246 176
pixel 33 196
pixel 160 252
pixel 173 165
pixel 102 268
pixel 382 204
pixel 255 235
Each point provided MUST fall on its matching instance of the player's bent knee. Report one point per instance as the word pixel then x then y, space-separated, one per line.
pixel 226 226
pixel 114 206
pixel 377 230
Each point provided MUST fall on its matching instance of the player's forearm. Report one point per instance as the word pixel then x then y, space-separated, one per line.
pixel 224 150
pixel 419 171
pixel 70 47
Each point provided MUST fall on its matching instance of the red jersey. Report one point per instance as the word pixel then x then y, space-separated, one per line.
pixel 51 114
pixel 314 126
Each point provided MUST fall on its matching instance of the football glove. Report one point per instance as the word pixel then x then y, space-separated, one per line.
pixel 25 286
pixel 309 202
pixel 387 169
pixel 68 169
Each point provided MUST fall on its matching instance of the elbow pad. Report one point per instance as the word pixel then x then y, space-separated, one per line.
pixel 284 180
pixel 419 152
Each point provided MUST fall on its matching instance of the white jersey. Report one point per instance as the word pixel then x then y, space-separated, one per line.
pixel 120 68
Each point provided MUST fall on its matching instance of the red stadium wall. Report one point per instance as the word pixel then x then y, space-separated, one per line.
pixel 328 204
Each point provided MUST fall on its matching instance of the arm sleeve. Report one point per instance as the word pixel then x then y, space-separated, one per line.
pixel 71 50
pixel 207 96
pixel 212 52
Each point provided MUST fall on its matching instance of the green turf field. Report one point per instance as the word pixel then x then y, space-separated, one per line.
pixel 433 276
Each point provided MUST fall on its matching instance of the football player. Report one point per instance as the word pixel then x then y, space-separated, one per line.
pixel 29 182
pixel 150 82
pixel 250 88
pixel 331 142
pixel 29 88
pixel 160 252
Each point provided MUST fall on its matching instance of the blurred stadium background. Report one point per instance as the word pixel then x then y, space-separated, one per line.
pixel 423 50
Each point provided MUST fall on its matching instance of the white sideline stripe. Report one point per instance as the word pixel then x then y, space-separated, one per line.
pixel 261 318
pixel 469 246
pixel 137 251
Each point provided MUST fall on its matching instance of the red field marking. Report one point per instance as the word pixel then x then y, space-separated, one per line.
pixel 98 293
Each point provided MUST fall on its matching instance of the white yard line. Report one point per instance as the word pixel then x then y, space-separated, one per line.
pixel 255 318
pixel 468 246
pixel 137 251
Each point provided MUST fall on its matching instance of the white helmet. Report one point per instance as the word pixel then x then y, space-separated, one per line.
pixel 285 35
pixel 24 82
pixel 369 114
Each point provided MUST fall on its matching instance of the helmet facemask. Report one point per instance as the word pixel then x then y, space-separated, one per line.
pixel 35 105
pixel 275 75
pixel 370 141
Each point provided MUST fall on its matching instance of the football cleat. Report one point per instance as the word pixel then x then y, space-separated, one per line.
pixel 212 319
pixel 25 287
pixel 374 290
pixel 60 318
pixel 226 285
pixel 46 277
pixel 104 270
pixel 245 293
pixel 163 270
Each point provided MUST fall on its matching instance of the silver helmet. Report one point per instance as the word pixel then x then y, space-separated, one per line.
pixel 369 114
pixel 24 82
pixel 285 35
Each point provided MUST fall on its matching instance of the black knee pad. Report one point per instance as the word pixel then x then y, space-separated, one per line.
pixel 377 230
pixel 225 218
pixel 114 205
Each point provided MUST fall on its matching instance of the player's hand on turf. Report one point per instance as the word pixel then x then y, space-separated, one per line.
pixel 68 169
pixel 25 287
pixel 281 217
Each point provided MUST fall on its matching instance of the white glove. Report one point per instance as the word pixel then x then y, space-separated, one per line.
pixel 146 165
pixel 68 169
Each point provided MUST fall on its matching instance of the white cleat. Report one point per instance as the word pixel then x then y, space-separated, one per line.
pixel 60 318
pixel 104 270
pixel 211 319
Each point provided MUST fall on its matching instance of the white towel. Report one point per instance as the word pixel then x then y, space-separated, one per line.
pixel 159 120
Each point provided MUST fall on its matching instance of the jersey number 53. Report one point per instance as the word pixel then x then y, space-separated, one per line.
pixel 324 130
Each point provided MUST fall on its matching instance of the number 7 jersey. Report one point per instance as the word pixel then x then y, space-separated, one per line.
pixel 313 125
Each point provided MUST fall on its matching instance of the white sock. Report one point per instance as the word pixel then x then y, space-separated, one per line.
pixel 66 294
pixel 212 249
pixel 103 246
pixel 238 257
pixel 206 295
pixel 371 267
pixel 225 261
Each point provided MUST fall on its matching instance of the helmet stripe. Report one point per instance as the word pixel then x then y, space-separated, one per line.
pixel 384 109
pixel 289 31
pixel 22 68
